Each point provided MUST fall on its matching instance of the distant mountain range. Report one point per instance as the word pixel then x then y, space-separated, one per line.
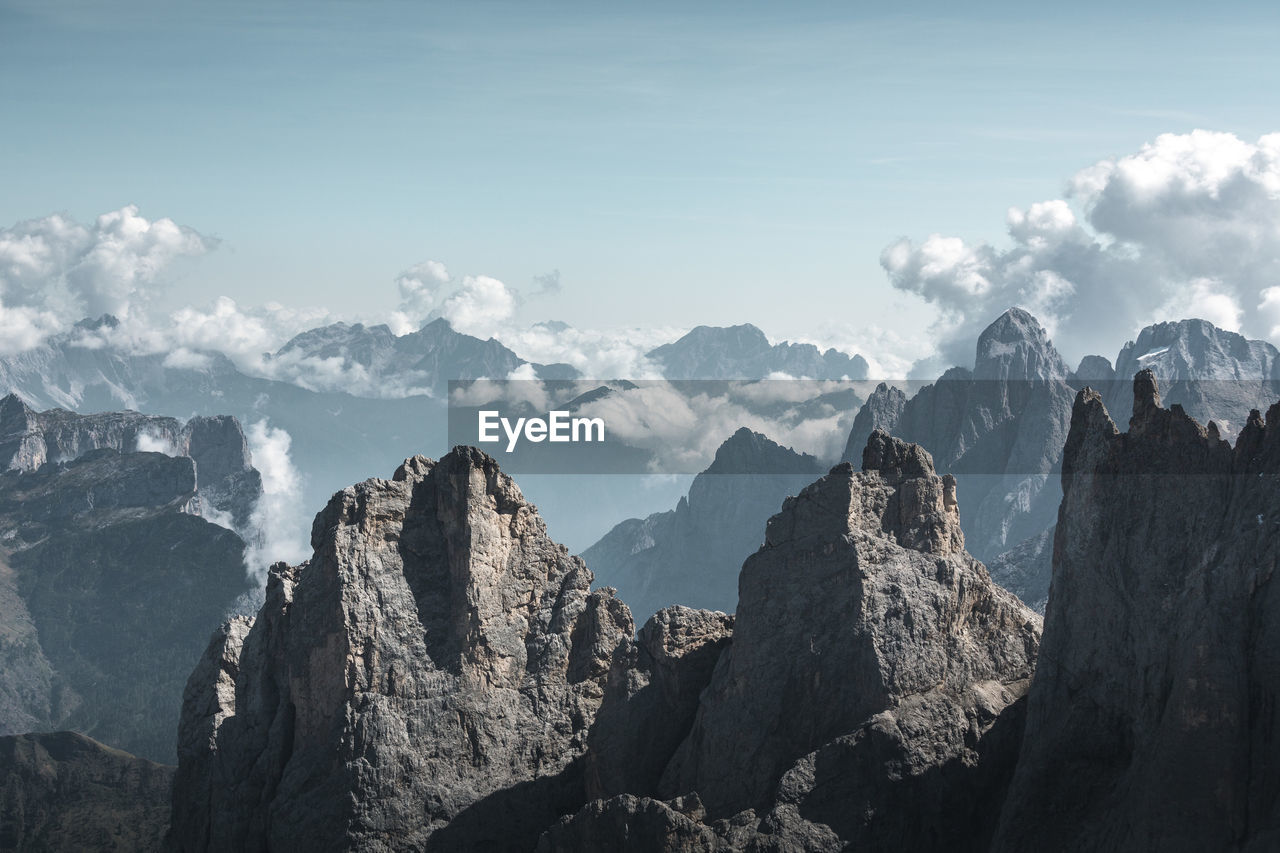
pixel 743 352
pixel 373 361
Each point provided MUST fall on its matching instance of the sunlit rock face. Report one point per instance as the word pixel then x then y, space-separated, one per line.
pixel 428 677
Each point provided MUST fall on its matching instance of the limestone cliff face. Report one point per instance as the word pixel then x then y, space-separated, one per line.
pixel 868 697
pixel 426 680
pixel 1151 723
pixel 651 697
pixel 882 410
pixel 227 480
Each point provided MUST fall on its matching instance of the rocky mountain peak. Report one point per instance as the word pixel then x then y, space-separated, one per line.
pixel 748 452
pixel 897 495
pixel 822 632
pixel 93 324
pixel 1016 347
pixel 1146 398
pixel 882 410
pixel 433 668
pixel 895 460
pixel 226 478
pixel 1212 373
pixel 744 352
pixel 691 555
pixel 1095 368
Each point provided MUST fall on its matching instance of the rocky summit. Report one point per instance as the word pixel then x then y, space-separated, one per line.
pixel 998 427
pixel 440 676
pixel 1214 374
pixel 1151 724
pixel 427 680
pixel 744 352
pixel 869 696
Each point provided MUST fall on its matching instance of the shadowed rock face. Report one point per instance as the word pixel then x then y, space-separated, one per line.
pixel 1151 721
pixel 1025 570
pixel 882 410
pixel 651 697
pixel 1094 368
pixel 427 679
pixel 108 585
pixel 63 791
pixel 868 697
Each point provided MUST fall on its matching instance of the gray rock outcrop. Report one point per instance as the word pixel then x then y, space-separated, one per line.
pixel 1095 369
pixel 427 680
pixel 66 792
pixel 861 602
pixel 650 699
pixel 868 697
pixel 882 410
pixel 1150 723
pixel 226 479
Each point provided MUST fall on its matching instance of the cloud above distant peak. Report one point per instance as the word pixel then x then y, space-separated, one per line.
pixel 57 265
pixel 480 307
pixel 1187 226
pixel 477 305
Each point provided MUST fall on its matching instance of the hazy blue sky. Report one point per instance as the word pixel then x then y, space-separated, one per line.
pixel 678 163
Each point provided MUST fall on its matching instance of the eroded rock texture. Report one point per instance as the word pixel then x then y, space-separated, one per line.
pixel 1151 723
pixel 426 680
pixel 651 698
pixel 882 410
pixel 869 696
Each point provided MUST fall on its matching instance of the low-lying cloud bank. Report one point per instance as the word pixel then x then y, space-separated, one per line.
pixel 1189 226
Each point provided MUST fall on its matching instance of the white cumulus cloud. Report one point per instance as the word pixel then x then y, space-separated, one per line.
pixel 279 527
pixel 56 264
pixel 1187 226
